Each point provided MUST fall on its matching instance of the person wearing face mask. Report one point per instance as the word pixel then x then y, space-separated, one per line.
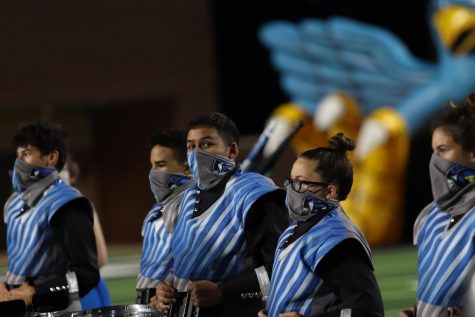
pixel 227 227
pixel 322 265
pixel 444 231
pixel 52 259
pixel 169 177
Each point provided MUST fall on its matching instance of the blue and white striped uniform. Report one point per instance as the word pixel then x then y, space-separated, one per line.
pixel 29 233
pixel 212 245
pixel 445 260
pixel 295 285
pixel 157 230
pixel 155 261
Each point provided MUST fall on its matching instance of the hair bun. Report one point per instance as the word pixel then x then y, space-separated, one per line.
pixel 341 143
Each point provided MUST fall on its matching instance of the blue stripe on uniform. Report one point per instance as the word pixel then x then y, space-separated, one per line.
pixel 155 261
pixel 445 258
pixel 294 283
pixel 212 246
pixel 29 233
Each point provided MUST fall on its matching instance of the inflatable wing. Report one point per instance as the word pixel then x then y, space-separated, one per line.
pixel 317 58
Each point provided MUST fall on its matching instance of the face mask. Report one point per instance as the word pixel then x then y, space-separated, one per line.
pixel 25 175
pixel 302 206
pixel 163 184
pixel 208 169
pixel 448 179
pixel 65 176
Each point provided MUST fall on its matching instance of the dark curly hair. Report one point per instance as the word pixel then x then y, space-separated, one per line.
pixel 173 139
pixel 333 164
pixel 458 121
pixel 226 127
pixel 46 136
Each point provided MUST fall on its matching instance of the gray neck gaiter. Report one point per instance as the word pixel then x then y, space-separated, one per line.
pixel 452 185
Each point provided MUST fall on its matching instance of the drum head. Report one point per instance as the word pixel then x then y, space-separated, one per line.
pixel 134 310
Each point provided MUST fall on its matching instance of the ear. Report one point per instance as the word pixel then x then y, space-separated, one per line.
pixel 472 157
pixel 186 169
pixel 53 159
pixel 233 151
pixel 332 192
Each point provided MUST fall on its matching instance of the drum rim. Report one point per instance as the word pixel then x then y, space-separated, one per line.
pixel 132 308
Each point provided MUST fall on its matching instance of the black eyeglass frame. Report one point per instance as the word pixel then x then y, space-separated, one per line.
pixel 296 185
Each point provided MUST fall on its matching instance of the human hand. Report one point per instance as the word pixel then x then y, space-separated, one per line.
pixel 262 313
pixel 454 312
pixel 408 312
pixel 166 294
pixel 153 301
pixel 205 293
pixel 293 314
pixel 4 293
pixel 25 292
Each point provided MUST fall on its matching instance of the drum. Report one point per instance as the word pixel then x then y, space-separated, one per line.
pixel 134 310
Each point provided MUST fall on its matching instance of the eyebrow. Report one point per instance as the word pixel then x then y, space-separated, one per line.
pixel 202 139
pixel 22 150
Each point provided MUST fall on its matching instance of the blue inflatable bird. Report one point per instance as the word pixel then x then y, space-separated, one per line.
pixel 359 78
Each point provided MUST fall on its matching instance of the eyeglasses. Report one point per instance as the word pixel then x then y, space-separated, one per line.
pixel 301 186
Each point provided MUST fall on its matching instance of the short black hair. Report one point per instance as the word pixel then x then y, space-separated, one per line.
pixel 333 164
pixel 226 127
pixel 173 139
pixel 458 120
pixel 46 136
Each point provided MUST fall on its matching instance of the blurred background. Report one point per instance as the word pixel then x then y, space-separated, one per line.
pixel 114 72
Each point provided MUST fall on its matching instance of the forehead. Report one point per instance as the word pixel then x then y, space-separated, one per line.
pixel 199 133
pixel 160 152
pixel 441 137
pixel 305 169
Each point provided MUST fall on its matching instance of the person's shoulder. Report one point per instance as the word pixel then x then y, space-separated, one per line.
pixel 336 227
pixel 154 212
pixel 336 218
pixel 61 188
pixel 76 207
pixel 348 249
pixel 254 178
pixel 12 200
pixel 277 196
pixel 329 228
pixel 156 208
pixel 60 194
pixel 421 218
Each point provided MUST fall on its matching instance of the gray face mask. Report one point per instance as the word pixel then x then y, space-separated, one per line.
pixel 25 175
pixel 209 169
pixel 163 184
pixel 450 181
pixel 303 206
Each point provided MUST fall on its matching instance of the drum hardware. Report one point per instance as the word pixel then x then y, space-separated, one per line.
pixel 144 295
pixel 134 310
pixel 183 307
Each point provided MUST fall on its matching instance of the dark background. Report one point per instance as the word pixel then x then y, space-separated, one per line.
pixel 114 72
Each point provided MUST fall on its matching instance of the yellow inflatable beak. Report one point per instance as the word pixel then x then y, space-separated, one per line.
pixel 456 27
